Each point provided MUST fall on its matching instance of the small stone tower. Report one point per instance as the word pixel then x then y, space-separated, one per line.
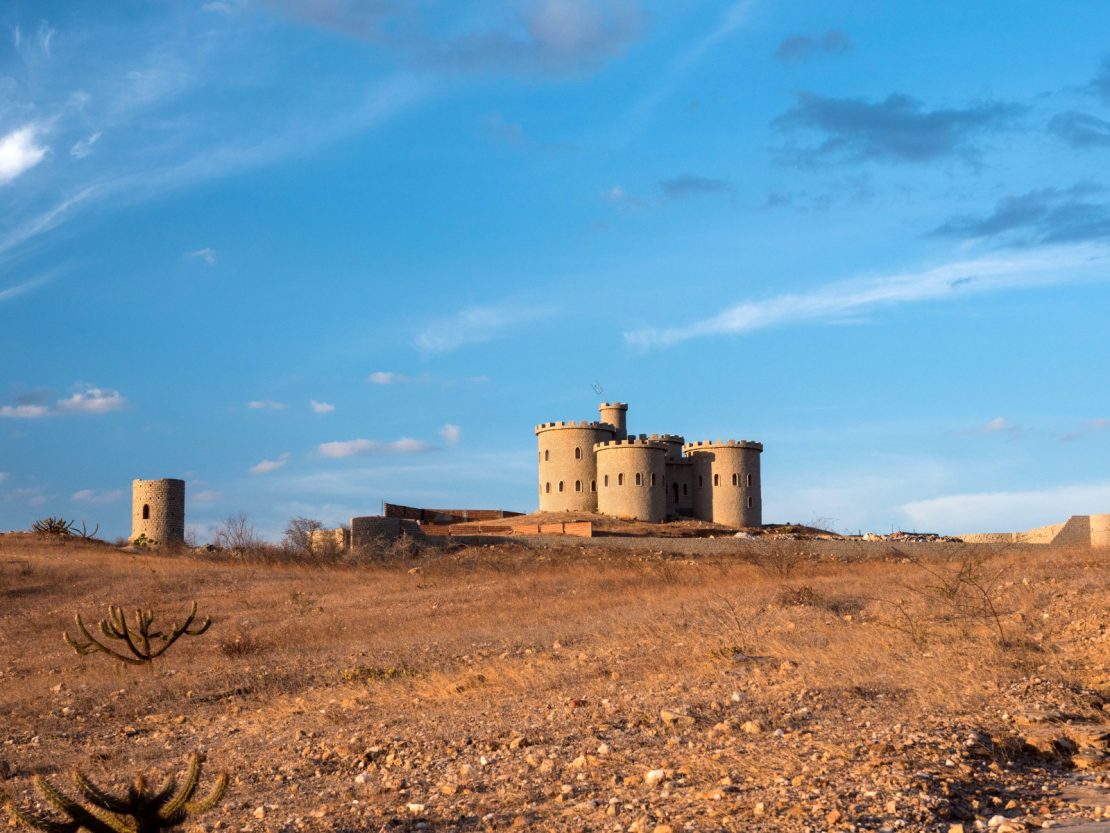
pixel 158 511
pixel 631 475
pixel 726 481
pixel 616 414
pixel 568 467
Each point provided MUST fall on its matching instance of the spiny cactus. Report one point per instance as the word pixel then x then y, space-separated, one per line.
pixel 137 637
pixel 140 811
pixel 53 526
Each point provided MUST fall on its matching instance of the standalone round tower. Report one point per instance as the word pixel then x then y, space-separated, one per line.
pixel 158 511
pixel 726 482
pixel 568 467
pixel 615 414
pixel 631 479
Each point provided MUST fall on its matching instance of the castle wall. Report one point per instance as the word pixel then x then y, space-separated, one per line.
pixel 368 530
pixel 615 414
pixel 726 482
pixel 158 511
pixel 568 466
pixel 631 477
pixel 679 485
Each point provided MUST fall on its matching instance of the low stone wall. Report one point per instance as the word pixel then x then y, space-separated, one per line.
pixel 375 529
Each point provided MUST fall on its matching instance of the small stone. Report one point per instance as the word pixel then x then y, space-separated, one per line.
pixel 751 727
pixel 833 817
pixel 415 809
pixel 260 812
pixel 654 776
pixel 956 828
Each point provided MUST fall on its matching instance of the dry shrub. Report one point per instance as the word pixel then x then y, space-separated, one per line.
pixel 242 644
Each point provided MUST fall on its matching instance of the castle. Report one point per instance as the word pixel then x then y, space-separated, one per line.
pixel 598 467
pixel 158 511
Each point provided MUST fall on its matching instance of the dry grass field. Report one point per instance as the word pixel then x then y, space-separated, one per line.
pixel 788 686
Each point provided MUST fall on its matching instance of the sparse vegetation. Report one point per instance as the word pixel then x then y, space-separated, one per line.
pixel 141 810
pixel 142 641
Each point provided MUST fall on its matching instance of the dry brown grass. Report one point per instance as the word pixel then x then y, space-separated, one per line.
pixel 501 642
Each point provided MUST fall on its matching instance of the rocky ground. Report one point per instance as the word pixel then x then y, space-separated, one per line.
pixel 516 687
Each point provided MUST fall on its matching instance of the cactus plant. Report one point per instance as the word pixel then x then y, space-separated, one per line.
pixel 53 526
pixel 137 637
pixel 141 811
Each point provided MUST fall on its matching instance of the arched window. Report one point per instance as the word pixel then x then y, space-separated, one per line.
pixel 749 480
pixel 547 488
pixel 685 489
pixel 653 478
pixel 560 485
pixel 716 480
pixel 577 454
pixel 701 482
pixel 593 485
pixel 606 481
pixel 750 501
pixel 146 511
pixel 638 479
pixel 620 479
pixel 578 485
pixel 735 480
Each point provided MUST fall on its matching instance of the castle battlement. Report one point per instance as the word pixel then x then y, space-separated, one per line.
pixel 705 445
pixel 642 441
pixel 667 438
pixel 555 426
pixel 617 406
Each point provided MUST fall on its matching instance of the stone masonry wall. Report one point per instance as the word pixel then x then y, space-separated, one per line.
pixel 567 465
pixel 631 479
pixel 158 511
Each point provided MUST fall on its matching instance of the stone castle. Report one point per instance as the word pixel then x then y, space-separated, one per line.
pixel 598 467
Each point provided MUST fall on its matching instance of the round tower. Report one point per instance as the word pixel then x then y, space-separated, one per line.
pixel 615 414
pixel 725 481
pixel 568 467
pixel 631 479
pixel 158 511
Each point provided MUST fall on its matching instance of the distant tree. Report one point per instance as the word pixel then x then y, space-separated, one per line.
pixel 298 534
pixel 236 533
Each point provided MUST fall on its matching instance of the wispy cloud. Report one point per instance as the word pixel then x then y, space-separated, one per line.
pixel 476 324
pixel 896 129
pixel 688 185
pixel 451 434
pixel 90 399
pixel 798 48
pixel 1007 511
pixel 267 466
pixel 24 411
pixel 1080 130
pixel 205 496
pixel 321 407
pixel 1045 215
pixel 19 152
pixel 1047 266
pixel 386 377
pixel 92 496
pixel 83 147
pixel 1089 427
pixel 998 425
pixel 355 448
pixel 207 255
pixel 266 405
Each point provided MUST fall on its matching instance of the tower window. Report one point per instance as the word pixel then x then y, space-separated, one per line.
pixel 578 485
pixel 701 481
pixel 146 511
pixel 653 478
pixel 736 480
pixel 638 479
pixel 546 454
pixel 620 479
pixel 685 489
pixel 547 488
pixel 716 480
pixel 606 481
pixel 593 485
pixel 560 485
pixel 577 454
pixel 749 480
pixel 750 502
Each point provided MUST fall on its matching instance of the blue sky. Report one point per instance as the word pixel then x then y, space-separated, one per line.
pixel 315 254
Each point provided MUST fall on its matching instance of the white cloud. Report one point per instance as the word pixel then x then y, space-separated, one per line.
pixel 83 147
pixel 26 286
pixel 385 377
pixel 998 425
pixel 24 411
pixel 321 407
pixel 93 400
pixel 1089 427
pixel 19 152
pixel 205 497
pixel 992 273
pixel 266 405
pixel 477 324
pixel 206 254
pixel 1008 511
pixel 95 497
pixel 3 476
pixel 353 448
pixel 451 434
pixel 266 466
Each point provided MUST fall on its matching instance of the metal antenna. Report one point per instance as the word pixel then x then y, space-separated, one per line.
pixel 598 389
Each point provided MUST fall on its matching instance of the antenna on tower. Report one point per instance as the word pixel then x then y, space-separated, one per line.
pixel 598 389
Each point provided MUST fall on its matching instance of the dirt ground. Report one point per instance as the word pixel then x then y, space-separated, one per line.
pixel 528 687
